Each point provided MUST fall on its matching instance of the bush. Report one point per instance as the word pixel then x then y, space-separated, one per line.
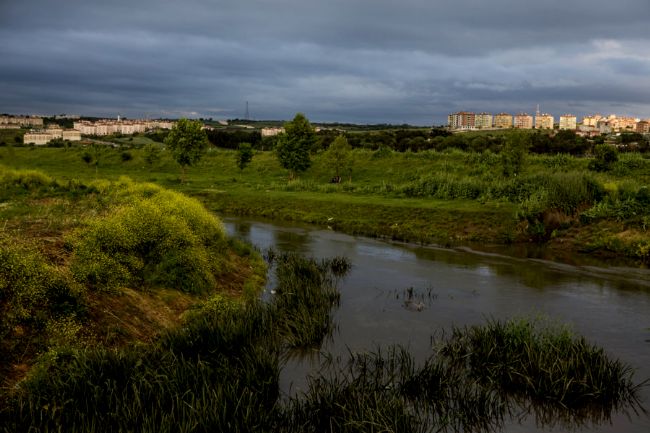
pixel 126 156
pixel 31 290
pixel 154 236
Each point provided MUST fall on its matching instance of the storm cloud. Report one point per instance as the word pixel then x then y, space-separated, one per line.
pixel 353 61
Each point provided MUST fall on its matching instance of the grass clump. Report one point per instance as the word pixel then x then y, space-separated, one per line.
pixel 475 380
pixel 542 362
pixel 155 237
pixel 305 294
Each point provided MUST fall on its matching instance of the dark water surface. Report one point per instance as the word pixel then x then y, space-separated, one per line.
pixel 610 306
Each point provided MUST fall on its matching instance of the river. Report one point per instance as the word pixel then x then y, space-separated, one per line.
pixel 404 293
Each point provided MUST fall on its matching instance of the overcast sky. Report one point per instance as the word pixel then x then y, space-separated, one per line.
pixel 363 61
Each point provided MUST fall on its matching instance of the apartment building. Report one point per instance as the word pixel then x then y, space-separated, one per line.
pixel 126 127
pixel 643 127
pixel 483 120
pixel 523 121
pixel 591 120
pixel 544 121
pixel 568 121
pixel 461 120
pixel 20 121
pixel 503 120
pixel 41 137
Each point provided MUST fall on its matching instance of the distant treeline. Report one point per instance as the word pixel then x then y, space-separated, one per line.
pixel 416 140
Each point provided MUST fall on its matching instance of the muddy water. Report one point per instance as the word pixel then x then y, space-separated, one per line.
pixel 404 294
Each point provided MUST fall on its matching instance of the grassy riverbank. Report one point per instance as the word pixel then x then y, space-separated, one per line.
pixel 126 308
pixel 105 263
pixel 448 197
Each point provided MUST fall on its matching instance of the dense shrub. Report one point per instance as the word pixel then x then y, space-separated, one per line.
pixel 31 291
pixel 154 236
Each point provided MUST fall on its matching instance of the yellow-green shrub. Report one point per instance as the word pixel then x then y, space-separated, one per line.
pixel 153 236
pixel 31 290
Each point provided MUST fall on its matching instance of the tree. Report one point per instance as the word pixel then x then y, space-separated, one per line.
pixel 294 145
pixel 151 154
pixel 244 155
pixel 187 142
pixel 606 155
pixel 513 154
pixel 339 157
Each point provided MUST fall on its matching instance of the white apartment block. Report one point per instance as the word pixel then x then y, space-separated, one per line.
pixel 126 127
pixel 270 132
pixel 568 121
pixel 40 138
pixel 19 121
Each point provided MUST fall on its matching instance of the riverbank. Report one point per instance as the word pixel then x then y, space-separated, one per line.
pixel 447 198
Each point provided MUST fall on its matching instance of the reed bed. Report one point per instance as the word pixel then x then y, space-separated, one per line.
pixel 220 372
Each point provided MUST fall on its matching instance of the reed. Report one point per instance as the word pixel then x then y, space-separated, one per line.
pixel 542 362
pixel 305 294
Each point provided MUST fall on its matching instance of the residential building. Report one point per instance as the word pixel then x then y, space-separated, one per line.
pixel 483 121
pixel 503 120
pixel 41 137
pixel 523 121
pixel 462 120
pixel 126 127
pixel 270 132
pixel 625 124
pixel 19 121
pixel 568 121
pixel 643 127
pixel 591 120
pixel 544 121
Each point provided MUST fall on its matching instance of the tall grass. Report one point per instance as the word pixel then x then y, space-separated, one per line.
pixel 542 362
pixel 305 295
pixel 217 372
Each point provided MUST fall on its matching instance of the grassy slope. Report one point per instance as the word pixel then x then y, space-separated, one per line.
pixel 41 221
pixel 371 204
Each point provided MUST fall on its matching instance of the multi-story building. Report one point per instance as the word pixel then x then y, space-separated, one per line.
pixel 591 120
pixel 127 127
pixel 625 124
pixel 483 121
pixel 523 121
pixel 42 137
pixel 270 132
pixel 503 120
pixel 461 120
pixel 19 121
pixel 568 121
pixel 71 135
pixel 544 121
pixel 643 127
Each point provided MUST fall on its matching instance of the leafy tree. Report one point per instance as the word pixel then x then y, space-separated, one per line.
pixel 87 158
pixel 513 154
pixel 187 142
pixel 244 155
pixel 126 156
pixel 151 154
pixel 606 155
pixel 294 145
pixel 339 157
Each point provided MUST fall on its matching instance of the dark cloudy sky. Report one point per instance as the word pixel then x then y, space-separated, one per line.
pixel 366 61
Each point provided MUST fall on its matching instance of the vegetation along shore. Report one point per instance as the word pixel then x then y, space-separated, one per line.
pixel 126 307
pixel 573 195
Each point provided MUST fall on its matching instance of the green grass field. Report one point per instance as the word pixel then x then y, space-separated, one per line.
pixel 448 197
